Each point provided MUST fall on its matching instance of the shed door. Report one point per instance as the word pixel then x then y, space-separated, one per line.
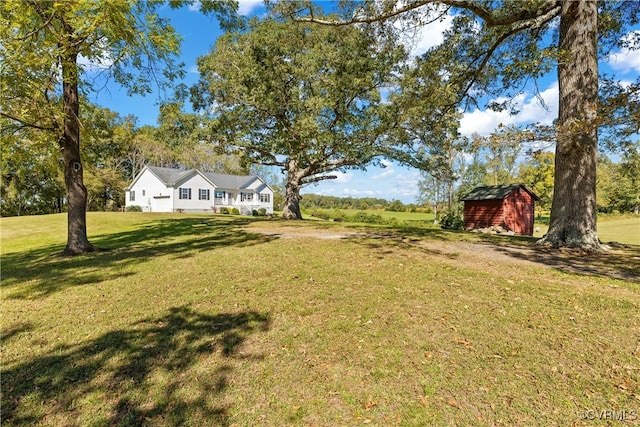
pixel 519 214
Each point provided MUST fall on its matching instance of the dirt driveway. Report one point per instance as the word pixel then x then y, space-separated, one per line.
pixel 616 263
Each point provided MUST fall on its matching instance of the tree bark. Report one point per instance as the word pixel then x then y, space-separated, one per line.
pixel 573 208
pixel 291 209
pixel 69 142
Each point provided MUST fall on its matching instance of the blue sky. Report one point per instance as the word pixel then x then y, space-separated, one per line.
pixel 199 33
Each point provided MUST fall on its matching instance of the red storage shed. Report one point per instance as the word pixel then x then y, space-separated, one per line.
pixel 508 206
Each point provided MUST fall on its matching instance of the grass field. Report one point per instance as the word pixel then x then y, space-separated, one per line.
pixel 234 321
pixel 611 228
pixel 623 229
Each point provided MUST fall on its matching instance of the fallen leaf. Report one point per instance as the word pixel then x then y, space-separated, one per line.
pixel 453 403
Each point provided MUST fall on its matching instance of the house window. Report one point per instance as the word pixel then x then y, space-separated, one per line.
pixel 220 194
pixel 185 193
pixel 265 198
pixel 204 194
pixel 143 192
pixel 132 196
pixel 245 197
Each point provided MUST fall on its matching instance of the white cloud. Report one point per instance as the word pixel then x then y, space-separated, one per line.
pixel 406 184
pixel 428 36
pixel 342 177
pixel 100 58
pixel 402 185
pixel 627 60
pixel 484 122
pixel 387 172
pixel 352 192
pixel 532 111
pixel 245 7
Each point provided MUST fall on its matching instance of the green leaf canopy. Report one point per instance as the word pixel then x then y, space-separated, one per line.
pixel 302 97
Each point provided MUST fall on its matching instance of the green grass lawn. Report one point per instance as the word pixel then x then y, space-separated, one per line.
pixel 227 320
pixel 611 228
pixel 620 229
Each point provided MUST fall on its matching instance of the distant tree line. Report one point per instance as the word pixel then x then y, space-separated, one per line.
pixel 114 151
pixel 312 202
pixel 506 157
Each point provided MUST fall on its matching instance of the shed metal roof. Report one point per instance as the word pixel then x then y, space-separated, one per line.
pixel 496 192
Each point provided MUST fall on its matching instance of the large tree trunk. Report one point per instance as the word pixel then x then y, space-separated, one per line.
pixel 77 241
pixel 291 209
pixel 573 208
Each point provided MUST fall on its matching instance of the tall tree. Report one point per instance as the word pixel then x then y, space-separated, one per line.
pixel 101 157
pixel 425 134
pixel 300 97
pixel 182 134
pixel 45 45
pixel 32 182
pixel 537 174
pixel 496 47
pixel 502 149
pixel 474 175
pixel 619 183
pixel 144 148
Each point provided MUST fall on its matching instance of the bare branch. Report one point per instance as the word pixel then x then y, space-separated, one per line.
pixel 368 20
pixel 528 18
pixel 27 124
pixel 318 178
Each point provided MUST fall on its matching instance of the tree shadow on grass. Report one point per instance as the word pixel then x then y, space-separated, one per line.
pixel 385 241
pixel 170 370
pixel 619 263
pixel 37 273
pixel 15 329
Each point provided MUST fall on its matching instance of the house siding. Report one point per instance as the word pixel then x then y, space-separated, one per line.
pixel 161 195
pixel 157 197
pixel 194 204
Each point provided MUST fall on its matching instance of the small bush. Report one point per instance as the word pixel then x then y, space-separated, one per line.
pixel 235 211
pixel 452 221
pixel 368 218
pixel 133 208
pixel 262 212
pixel 224 210
pixel 321 215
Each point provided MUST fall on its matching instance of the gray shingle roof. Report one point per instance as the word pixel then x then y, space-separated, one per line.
pixel 495 192
pixel 229 181
pixel 169 176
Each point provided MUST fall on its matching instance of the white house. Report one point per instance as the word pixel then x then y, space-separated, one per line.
pixel 157 189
